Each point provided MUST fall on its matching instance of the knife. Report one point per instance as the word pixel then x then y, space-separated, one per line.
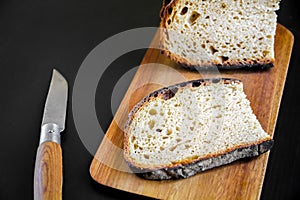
pixel 48 165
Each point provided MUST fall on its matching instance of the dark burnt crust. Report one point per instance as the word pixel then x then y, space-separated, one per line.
pixel 193 168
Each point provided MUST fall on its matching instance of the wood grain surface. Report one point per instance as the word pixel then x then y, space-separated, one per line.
pixel 48 172
pixel 240 180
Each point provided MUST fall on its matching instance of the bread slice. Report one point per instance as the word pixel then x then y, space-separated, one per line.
pixel 181 130
pixel 224 33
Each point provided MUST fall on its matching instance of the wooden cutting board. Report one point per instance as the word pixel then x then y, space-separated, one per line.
pixel 240 180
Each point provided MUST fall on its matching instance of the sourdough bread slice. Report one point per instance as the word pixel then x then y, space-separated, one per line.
pixel 224 33
pixel 181 130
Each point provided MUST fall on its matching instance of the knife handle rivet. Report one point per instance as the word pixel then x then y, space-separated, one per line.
pixel 50 133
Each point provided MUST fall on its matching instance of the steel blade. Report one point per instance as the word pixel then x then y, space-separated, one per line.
pixel 56 103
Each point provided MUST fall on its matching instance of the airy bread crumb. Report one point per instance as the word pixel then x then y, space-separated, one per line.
pixel 223 33
pixel 189 122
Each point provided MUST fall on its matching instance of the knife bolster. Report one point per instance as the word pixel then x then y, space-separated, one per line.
pixel 50 133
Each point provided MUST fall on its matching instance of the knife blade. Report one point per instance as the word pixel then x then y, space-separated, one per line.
pixel 48 165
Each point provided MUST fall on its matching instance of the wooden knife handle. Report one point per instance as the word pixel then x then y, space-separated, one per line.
pixel 48 172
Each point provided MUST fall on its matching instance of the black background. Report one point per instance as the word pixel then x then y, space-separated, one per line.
pixel 36 36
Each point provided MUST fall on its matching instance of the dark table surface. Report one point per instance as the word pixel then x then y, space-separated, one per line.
pixel 36 36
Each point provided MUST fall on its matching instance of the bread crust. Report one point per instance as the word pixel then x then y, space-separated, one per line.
pixel 167 4
pixel 193 168
pixel 171 171
pixel 247 64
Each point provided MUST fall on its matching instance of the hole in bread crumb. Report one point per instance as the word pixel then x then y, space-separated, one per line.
pixel 219 116
pixel 152 112
pixel 265 53
pixel 135 146
pixel 194 157
pixel 177 105
pixel 158 130
pixel 133 138
pixel 161 148
pixel 173 148
pixel 151 124
pixel 146 156
pixel 223 58
pixel 170 10
pixel 203 46
pixel 177 128
pixel 213 50
pixel 178 140
pixel 169 132
pixel 269 36
pixel 184 10
pixel 223 5
pixel 196 84
pixel 169 21
pixel 193 17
